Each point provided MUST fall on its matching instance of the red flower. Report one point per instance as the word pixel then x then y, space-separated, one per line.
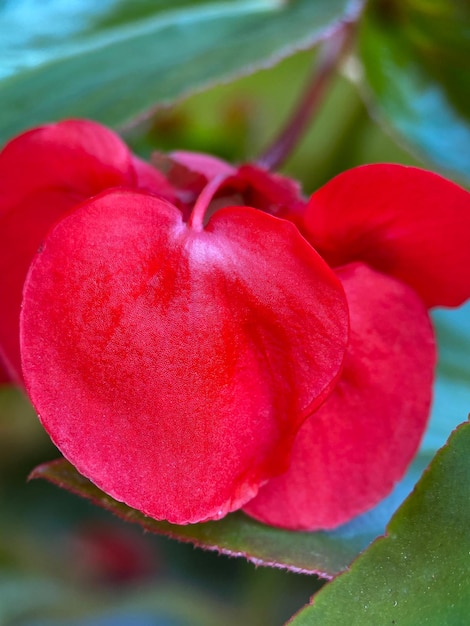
pixel 172 361
pixel 181 341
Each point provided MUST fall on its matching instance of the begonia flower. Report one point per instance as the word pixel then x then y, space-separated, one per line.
pixel 184 344
pixel 400 240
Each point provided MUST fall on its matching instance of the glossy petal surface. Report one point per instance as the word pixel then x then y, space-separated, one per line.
pixel 43 174
pixel 350 453
pixel 403 221
pixel 173 367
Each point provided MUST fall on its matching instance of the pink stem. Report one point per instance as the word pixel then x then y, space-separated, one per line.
pixel 330 55
pixel 196 219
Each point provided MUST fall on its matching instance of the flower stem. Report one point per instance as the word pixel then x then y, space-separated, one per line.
pixel 329 57
pixel 196 219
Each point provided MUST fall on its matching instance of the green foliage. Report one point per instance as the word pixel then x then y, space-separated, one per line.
pixel 114 66
pixel 416 57
pixel 31 601
pixel 419 572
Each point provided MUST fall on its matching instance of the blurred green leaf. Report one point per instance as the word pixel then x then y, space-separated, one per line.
pixel 419 572
pixel 416 56
pixel 112 61
pixel 23 441
pixel 27 601
pixel 22 596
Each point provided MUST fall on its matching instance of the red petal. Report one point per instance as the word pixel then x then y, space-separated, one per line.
pixel 350 453
pixel 44 173
pixel 76 155
pixel 403 221
pixel 205 164
pixel 174 367
pixel 189 172
pixel 272 193
pixel 21 232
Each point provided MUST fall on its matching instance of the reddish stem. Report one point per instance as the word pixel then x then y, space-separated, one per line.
pixel 329 57
pixel 196 219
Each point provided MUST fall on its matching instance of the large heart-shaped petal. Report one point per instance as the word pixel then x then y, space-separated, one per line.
pixel 44 173
pixel 350 453
pixel 403 221
pixel 173 366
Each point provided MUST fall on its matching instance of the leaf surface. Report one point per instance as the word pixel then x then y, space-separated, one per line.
pixel 418 572
pixel 111 61
pixel 417 64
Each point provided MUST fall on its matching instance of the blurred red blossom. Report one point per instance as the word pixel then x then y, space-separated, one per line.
pixel 112 555
pixel 199 338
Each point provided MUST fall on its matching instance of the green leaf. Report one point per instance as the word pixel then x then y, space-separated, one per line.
pixel 111 62
pixel 236 534
pixel 419 572
pixel 416 56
